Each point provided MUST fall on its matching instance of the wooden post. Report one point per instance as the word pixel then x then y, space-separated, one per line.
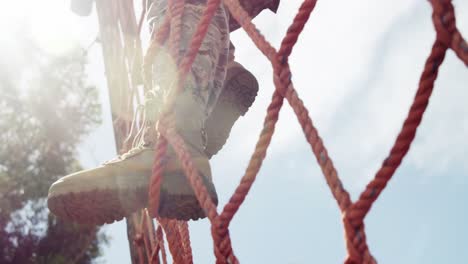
pixel 121 48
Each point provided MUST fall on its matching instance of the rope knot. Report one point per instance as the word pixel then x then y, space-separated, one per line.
pixel 353 237
pixel 443 17
pixel 282 75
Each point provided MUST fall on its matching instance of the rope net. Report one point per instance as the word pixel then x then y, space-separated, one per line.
pixel 150 240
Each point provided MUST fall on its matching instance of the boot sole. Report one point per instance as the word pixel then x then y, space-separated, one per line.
pixel 99 206
pixel 183 206
pixel 238 95
pixel 241 90
pixel 105 206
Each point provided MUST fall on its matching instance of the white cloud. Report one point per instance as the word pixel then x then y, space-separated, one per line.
pixel 330 54
pixel 357 72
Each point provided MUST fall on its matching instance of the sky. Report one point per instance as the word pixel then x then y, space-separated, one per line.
pixel 356 67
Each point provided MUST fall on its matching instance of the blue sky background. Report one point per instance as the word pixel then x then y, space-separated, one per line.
pixel 356 66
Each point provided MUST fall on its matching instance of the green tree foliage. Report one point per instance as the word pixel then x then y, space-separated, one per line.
pixel 46 108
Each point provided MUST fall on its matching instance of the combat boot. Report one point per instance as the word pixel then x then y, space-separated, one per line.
pixel 177 198
pixel 116 188
pixel 120 187
pixel 239 92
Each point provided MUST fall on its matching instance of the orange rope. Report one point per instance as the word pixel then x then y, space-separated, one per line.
pixel 174 240
pixel 150 228
pixel 160 237
pixel 443 17
pixel 158 247
pixel 177 234
pixel 145 235
pixel 185 239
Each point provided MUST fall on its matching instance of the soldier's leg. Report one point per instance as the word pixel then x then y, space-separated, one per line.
pixel 192 106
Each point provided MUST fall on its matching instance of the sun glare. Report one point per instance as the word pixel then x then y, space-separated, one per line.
pixel 54 26
pixel 51 24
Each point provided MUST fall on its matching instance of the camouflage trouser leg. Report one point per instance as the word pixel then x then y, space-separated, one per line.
pixel 206 78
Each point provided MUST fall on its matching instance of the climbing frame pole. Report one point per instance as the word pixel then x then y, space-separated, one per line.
pixel 122 52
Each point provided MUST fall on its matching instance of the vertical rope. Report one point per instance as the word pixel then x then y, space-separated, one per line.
pixel 159 235
pixel 145 235
pixel 185 239
pixel 150 227
pixel 173 240
pixel 159 247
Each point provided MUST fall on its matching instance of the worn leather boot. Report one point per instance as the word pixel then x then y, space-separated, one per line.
pixel 113 190
pixel 178 199
pixel 104 194
pixel 239 92
pixel 120 187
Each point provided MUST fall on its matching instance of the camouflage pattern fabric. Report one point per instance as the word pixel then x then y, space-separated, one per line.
pixel 209 68
pixel 252 7
pixel 205 80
